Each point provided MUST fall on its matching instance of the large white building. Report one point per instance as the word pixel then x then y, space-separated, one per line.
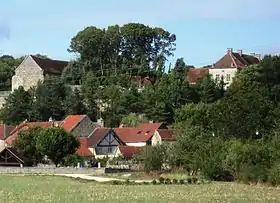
pixel 225 68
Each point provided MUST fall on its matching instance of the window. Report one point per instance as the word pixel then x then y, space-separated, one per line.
pixel 228 77
pixel 218 77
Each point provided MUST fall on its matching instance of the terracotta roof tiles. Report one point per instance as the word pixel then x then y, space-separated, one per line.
pixel 71 121
pixel 195 74
pixel 83 150
pixel 129 151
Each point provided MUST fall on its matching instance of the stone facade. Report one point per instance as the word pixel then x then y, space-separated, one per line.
pixel 27 74
pixel 84 128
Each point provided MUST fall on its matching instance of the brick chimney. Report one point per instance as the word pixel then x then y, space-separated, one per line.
pixel 229 50
pixel 151 121
pixel 121 125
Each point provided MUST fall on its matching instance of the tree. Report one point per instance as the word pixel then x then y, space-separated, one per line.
pixel 208 90
pixel 49 100
pixel 127 49
pixel 16 107
pixel 74 102
pixel 25 144
pixel 7 67
pixel 56 143
pixel 132 120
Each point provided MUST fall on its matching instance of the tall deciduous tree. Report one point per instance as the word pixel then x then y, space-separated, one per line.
pixel 25 144
pixel 56 143
pixel 49 100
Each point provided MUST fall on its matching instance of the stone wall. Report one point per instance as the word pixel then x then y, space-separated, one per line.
pixel 3 95
pixel 84 128
pixel 51 170
pixel 27 74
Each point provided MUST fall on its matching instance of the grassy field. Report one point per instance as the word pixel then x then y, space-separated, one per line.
pixel 31 189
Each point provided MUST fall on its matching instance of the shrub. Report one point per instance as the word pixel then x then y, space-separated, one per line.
pixel 175 181
pixel 167 181
pixel 161 180
pixel 274 174
pixel 194 180
pixel 182 181
pixel 116 182
pixel 153 158
pixel 154 182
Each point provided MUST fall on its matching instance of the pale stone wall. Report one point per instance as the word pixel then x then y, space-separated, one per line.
pixel 3 96
pixel 215 72
pixel 27 74
pixel 156 139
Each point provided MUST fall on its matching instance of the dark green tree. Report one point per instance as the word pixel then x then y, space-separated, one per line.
pixel 17 107
pixel 74 102
pixel 56 143
pixel 25 144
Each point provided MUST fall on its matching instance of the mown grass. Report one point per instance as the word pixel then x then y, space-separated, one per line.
pixel 33 189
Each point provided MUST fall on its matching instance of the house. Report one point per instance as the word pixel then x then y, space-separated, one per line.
pixel 9 156
pixel 166 135
pixel 79 125
pixel 104 142
pixel 225 68
pixel 196 74
pixel 25 126
pixel 5 131
pixel 34 69
pixel 230 63
pixel 83 150
pixel 142 135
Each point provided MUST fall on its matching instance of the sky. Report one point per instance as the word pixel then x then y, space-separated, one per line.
pixel 204 28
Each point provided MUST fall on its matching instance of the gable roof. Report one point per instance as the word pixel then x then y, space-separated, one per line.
pixel 236 60
pixel 5 130
pixel 166 135
pixel 24 126
pixel 71 121
pixel 141 133
pixel 50 66
pixel 97 135
pixel 195 74
pixel 130 151
pixel 83 149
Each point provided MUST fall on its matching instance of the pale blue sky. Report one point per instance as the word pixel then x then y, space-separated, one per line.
pixel 204 28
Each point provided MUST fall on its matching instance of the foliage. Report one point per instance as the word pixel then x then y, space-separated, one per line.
pixel 132 120
pixel 71 160
pixel 25 144
pixel 153 157
pixel 74 102
pixel 16 107
pixel 49 100
pixel 56 143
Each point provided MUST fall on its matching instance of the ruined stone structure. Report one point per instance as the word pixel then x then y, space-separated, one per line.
pixel 34 69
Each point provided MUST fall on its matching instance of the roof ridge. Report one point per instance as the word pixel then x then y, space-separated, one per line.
pixel 230 54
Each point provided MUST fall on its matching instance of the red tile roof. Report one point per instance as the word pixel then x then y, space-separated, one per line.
pixel 195 74
pixel 236 60
pixel 97 135
pixel 166 135
pixel 83 149
pixel 24 126
pixel 129 151
pixel 140 133
pixel 72 121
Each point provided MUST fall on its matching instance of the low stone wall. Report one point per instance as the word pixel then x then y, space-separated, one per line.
pixel 51 170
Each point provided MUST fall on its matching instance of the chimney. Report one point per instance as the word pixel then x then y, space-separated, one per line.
pixel 121 126
pixel 25 121
pixel 229 50
pixel 151 121
pixel 50 119
pixel 100 122
pixel 240 52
